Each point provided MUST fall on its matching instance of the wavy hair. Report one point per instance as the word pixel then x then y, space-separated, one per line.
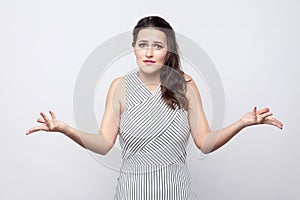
pixel 173 83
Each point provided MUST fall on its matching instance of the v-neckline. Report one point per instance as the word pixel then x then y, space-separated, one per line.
pixel 144 85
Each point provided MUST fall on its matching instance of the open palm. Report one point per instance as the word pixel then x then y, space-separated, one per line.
pixel 262 116
pixel 47 124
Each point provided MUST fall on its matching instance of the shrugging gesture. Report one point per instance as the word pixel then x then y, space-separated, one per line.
pixel 100 142
pixel 207 140
pixel 49 125
pixel 262 116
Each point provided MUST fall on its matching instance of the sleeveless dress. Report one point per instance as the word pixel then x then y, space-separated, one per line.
pixel 153 139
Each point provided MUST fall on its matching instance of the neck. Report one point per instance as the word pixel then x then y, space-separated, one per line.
pixel 149 78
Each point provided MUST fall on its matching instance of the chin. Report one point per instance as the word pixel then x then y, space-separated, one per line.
pixel 150 69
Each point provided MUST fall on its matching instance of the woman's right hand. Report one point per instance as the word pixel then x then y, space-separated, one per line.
pixel 49 125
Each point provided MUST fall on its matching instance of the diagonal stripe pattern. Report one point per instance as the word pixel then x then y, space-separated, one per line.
pixel 153 139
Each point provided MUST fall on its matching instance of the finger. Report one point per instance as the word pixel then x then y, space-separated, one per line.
pixel 44 117
pixel 273 121
pixel 278 123
pixel 265 115
pixel 254 109
pixel 34 129
pixel 52 114
pixel 40 120
pixel 264 110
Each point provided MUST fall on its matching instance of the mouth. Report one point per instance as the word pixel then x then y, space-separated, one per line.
pixel 148 62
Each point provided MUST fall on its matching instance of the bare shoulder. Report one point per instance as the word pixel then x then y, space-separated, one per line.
pixel 191 88
pixel 117 85
pixel 118 80
pixel 190 81
pixel 187 77
pixel 117 92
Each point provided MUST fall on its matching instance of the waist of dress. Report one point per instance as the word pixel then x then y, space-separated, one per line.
pixel 145 167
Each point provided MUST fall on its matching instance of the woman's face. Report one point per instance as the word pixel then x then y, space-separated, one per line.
pixel 150 50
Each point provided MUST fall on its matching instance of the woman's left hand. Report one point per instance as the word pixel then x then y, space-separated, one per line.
pixel 262 116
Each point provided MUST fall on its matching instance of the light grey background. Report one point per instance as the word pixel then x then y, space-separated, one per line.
pixel 254 44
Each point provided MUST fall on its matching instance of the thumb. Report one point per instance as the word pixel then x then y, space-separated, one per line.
pixel 254 109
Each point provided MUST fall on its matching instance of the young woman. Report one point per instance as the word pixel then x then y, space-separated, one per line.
pixel 154 110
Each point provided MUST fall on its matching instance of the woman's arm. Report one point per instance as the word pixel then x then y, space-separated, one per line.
pixel 208 141
pixel 99 143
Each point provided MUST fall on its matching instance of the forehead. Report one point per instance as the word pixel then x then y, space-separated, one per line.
pixel 151 34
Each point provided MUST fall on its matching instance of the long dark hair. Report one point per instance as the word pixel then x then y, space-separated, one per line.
pixel 173 84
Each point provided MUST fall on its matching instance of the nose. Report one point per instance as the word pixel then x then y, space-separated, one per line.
pixel 149 52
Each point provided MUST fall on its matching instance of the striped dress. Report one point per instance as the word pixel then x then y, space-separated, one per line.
pixel 153 138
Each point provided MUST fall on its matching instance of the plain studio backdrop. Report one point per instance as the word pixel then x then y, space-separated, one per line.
pixel 254 44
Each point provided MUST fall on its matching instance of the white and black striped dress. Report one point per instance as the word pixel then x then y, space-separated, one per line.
pixel 153 138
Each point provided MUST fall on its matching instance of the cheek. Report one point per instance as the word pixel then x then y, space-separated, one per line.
pixel 161 56
pixel 138 54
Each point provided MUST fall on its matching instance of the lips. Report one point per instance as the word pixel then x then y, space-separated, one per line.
pixel 148 61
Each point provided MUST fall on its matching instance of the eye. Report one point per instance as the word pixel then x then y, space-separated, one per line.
pixel 158 46
pixel 142 45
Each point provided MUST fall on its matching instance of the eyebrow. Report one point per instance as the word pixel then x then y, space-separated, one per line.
pixel 153 41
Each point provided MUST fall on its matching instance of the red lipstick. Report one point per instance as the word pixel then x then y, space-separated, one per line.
pixel 148 62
